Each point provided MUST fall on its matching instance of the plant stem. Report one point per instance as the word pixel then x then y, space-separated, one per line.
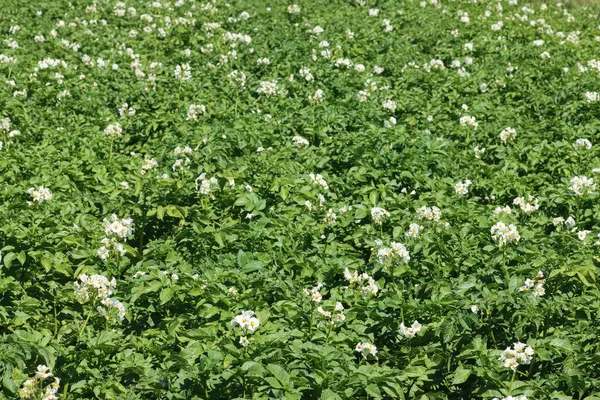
pixel 85 323
pixel 530 369
pixel 55 319
pixel 506 276
pixel 237 95
pixel 112 141
pixel 511 381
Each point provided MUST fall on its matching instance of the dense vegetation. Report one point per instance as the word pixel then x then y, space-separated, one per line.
pixel 323 200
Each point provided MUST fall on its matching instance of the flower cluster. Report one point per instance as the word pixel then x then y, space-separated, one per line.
pixel 248 323
pixel 508 134
pixel 271 88
pixel 203 185
pixel 582 185
pixel 111 307
pixel 318 180
pixel 389 105
pixel 183 72
pixel 337 316
pixel 33 388
pixel 395 254
pixel 115 229
pixel 429 213
pixel 479 151
pixel 582 144
pixel 5 126
pixel 559 222
pixel 246 320
pixel 519 354
pixel 315 293
pixel 414 230
pixel 149 163
pixel 113 130
pixel 583 234
pixel 410 331
pixel 299 141
pixel 317 97
pixel 500 210
pixel 39 195
pixel 536 287
pixel 504 234
pixel 528 207
pixel 365 349
pixel 469 122
pixel 94 287
pixel 389 123
pixel 359 280
pixel 293 9
pixel 462 188
pixel 126 111
pixel 330 217
pixel 123 228
pixel 194 111
pixel 592 97
pixel 379 214
pixel 237 77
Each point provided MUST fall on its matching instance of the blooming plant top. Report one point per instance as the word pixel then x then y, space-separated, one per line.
pixel 359 279
pixel 315 293
pixel 33 388
pixel 469 122
pixel 149 163
pixel 528 207
pixel 183 72
pixel 194 111
pixel 246 320
pixel 582 185
pixel 39 195
pixel 519 354
pixel 366 349
pixel 337 316
pixel 414 230
pixel 429 213
pixel 319 180
pixel 462 188
pixel 523 397
pixel 120 227
pixel 299 141
pixel 237 77
pixel 204 186
pixel 536 287
pixel 113 130
pixel 508 134
pixel 504 234
pixel 379 214
pixel 582 144
pixel 396 253
pixel 94 287
pixel 560 222
pixel 411 330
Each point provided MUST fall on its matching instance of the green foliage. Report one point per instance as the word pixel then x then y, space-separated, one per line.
pixel 259 237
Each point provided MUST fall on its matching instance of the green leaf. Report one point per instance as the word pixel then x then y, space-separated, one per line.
pixel 22 257
pixel 166 295
pixel 328 394
pixel 9 384
pixel 280 373
pixel 461 375
pixel 8 259
pixel 373 390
